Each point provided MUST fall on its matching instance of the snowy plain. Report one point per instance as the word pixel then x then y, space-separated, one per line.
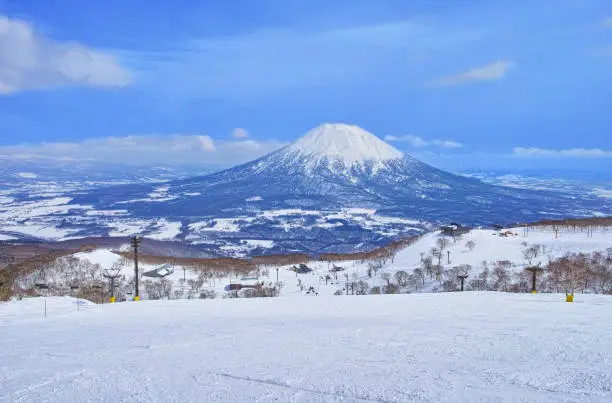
pixel 451 347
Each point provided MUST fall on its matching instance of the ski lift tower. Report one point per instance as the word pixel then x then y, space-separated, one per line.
pixel 135 242
pixel 534 270
pixel 112 274
pixel 462 275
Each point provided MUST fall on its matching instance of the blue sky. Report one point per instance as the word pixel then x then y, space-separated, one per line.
pixel 489 82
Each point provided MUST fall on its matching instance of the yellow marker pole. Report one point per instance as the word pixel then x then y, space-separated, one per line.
pixel 569 298
pixel 137 298
pixel 112 300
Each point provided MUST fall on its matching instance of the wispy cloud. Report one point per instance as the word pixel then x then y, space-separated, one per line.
pixel 607 22
pixel 573 152
pixel 447 143
pixel 239 133
pixel 148 149
pixel 490 72
pixel 30 61
pixel 268 61
pixel 414 141
pixel 417 142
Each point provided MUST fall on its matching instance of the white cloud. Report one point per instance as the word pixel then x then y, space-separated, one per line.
pixel 574 152
pixel 490 72
pixel 31 61
pixel 447 143
pixel 417 142
pixel 148 149
pixel 239 133
pixel 414 141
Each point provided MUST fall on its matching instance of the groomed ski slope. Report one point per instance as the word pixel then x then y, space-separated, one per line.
pixel 451 347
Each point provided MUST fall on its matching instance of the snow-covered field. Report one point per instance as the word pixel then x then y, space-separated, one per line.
pixel 453 347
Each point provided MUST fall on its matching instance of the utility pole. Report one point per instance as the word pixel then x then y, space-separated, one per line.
pixel 448 253
pixel 462 277
pixel 534 271
pixel 112 274
pixel 277 275
pixel 135 242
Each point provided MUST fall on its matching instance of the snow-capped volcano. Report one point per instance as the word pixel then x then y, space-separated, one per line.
pixel 334 167
pixel 339 143
pixel 335 150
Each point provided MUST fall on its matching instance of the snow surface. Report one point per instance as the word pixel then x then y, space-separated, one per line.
pixel 452 347
pixel 166 230
pixel 27 175
pixel 605 193
pixel 348 144
pixel 491 247
pixel 127 227
pixel 107 213
pixel 217 224
pixel 42 231
pixel 103 257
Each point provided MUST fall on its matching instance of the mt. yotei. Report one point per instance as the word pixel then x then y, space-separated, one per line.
pixel 338 188
pixel 336 166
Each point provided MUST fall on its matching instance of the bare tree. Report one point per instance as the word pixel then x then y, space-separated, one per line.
pixel 438 270
pixel 477 284
pixel 470 245
pixel 361 287
pixel 427 266
pixel 501 275
pixel 391 288
pixel 402 278
pixel 436 253
pixel 449 285
pixel 530 253
pixel 418 273
pixel 568 272
pixel 484 275
pixel 375 266
pixel 442 243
